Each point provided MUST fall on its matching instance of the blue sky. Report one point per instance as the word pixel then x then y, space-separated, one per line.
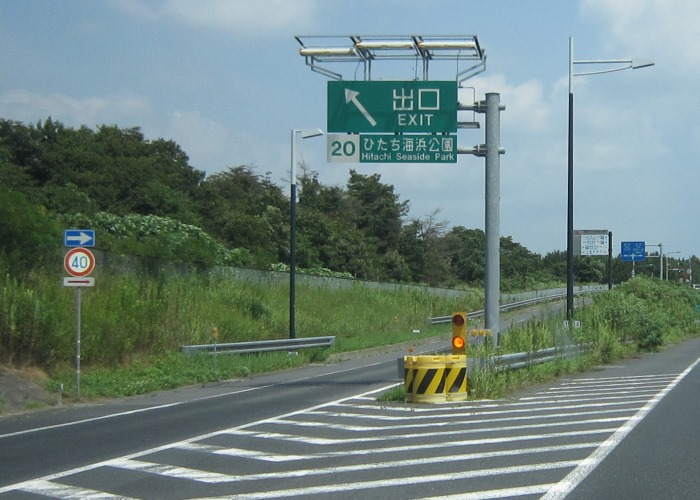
pixel 223 78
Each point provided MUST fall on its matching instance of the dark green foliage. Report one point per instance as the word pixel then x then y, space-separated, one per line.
pixel 29 237
pixel 465 249
pixel 145 200
pixel 326 237
pixel 360 229
pixel 422 245
pixel 647 311
pixel 521 268
pixel 158 240
pixel 375 210
pixel 246 210
pixel 113 170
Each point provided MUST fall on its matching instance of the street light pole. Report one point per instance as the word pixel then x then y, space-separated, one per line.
pixel 570 191
pixel 305 134
pixel 620 64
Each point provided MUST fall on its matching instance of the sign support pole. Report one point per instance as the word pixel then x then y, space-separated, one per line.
pixel 77 342
pixel 493 214
pixel 492 150
pixel 79 262
pixel 610 257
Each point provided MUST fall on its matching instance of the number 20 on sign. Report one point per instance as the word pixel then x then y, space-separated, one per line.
pixel 79 262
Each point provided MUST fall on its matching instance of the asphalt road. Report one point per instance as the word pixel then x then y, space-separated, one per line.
pixel 660 457
pixel 44 443
pixel 628 430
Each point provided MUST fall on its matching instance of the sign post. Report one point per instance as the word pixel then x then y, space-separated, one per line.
pixel 79 262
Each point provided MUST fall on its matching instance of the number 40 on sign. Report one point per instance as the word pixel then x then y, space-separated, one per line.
pixel 79 262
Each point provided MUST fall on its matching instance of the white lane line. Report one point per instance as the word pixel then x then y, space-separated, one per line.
pixel 67 492
pixel 605 390
pixel 240 452
pixel 187 473
pixel 447 423
pixel 217 478
pixel 431 446
pixel 504 493
pixel 193 400
pixel 577 398
pixel 575 477
pixel 591 380
pixel 527 407
pixel 126 413
pixel 616 382
pixel 448 433
pixel 404 481
pixel 602 395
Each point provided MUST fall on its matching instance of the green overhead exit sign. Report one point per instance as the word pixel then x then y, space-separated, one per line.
pixel 392 148
pixel 392 106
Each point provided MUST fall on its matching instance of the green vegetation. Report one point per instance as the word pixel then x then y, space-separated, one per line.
pixel 165 226
pixel 643 314
pixel 144 199
pixel 133 324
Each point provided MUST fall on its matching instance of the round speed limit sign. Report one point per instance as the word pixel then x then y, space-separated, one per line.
pixel 79 262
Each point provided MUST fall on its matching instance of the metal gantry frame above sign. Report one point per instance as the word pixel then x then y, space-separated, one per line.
pixel 390 121
pixel 319 51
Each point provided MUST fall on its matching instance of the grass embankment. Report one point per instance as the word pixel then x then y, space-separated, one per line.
pixel 132 326
pixel 640 315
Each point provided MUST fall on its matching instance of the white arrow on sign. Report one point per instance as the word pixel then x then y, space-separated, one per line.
pixel 351 96
pixel 80 238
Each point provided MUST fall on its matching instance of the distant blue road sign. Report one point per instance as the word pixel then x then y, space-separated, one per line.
pixel 79 238
pixel 633 251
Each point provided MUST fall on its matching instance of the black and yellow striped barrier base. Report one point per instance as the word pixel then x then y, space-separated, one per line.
pixel 435 379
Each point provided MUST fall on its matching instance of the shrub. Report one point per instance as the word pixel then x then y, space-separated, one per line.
pixel 157 237
pixel 28 235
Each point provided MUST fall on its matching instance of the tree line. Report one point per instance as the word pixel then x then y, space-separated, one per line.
pixel 52 175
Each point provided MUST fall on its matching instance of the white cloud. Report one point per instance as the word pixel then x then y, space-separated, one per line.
pixel 29 107
pixel 213 147
pixel 136 8
pixel 655 28
pixel 236 17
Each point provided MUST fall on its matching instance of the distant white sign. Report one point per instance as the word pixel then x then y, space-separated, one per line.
pixel 591 242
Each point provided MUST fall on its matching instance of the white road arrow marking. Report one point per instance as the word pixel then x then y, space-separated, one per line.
pixel 351 95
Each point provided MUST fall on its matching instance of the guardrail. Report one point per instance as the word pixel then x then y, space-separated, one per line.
pixel 259 346
pixel 515 361
pixel 438 320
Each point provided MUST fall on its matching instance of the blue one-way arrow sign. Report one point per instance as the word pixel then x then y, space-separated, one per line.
pixel 79 238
